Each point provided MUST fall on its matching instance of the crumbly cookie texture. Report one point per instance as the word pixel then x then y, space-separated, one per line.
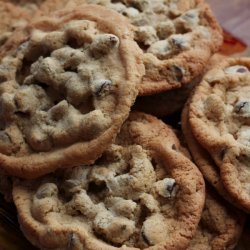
pixel 219 119
pixel 67 90
pixel 143 193
pixel 177 37
pixel 220 226
pixel 12 18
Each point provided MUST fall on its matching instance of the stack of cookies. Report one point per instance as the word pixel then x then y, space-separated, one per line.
pixel 83 156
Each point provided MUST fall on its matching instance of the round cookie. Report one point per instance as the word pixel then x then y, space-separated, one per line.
pixel 143 193
pixel 220 226
pixel 177 38
pixel 220 121
pixel 67 90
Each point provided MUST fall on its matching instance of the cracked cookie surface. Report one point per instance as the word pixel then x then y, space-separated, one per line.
pixel 67 90
pixel 219 119
pixel 177 38
pixel 143 193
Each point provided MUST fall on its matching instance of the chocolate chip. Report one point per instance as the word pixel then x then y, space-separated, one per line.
pixel 241 107
pixel 178 72
pixel 223 153
pixel 113 40
pixel 4 137
pixel 22 47
pixel 131 12
pixel 102 87
pixel 74 242
pixel 190 14
pixel 103 44
pixel 46 190
pixel 170 187
pixel 71 183
pixel 166 188
pixel 174 147
pixel 236 69
pixel 144 237
pixel 178 41
pixel 241 70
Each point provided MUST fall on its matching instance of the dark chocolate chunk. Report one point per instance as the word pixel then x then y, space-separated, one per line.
pixel 178 72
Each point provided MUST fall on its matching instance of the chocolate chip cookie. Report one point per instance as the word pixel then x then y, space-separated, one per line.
pixel 143 193
pixel 66 90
